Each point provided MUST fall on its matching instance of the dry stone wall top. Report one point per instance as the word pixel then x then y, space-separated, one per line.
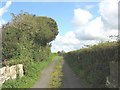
pixel 10 72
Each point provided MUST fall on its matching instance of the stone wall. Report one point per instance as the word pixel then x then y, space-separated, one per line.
pixel 10 72
pixel 112 80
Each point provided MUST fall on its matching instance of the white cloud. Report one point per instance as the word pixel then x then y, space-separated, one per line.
pixel 81 16
pixel 109 13
pixel 67 43
pixel 90 31
pixel 71 38
pixel 3 10
pixel 2 22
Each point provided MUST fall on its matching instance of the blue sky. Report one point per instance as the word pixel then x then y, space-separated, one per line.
pixel 79 23
pixel 62 12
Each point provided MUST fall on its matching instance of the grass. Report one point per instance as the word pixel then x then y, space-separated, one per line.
pixel 56 76
pixel 32 73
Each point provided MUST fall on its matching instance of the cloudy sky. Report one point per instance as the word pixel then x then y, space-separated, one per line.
pixel 79 23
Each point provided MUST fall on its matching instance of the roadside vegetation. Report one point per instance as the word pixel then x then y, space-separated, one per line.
pixel 57 75
pixel 26 40
pixel 32 74
pixel 92 64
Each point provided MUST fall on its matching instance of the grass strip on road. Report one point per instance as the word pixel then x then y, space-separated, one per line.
pixel 56 76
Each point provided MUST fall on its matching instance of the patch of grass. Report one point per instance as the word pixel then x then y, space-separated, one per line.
pixel 32 73
pixel 56 76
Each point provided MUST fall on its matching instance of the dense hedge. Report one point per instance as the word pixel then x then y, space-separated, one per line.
pixel 26 40
pixel 92 63
pixel 27 37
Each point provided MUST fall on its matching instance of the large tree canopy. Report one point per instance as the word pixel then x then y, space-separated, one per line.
pixel 27 31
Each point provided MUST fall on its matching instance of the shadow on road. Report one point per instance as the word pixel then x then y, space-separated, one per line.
pixel 70 80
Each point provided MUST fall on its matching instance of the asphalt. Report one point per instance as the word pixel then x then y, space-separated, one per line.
pixel 46 75
pixel 70 80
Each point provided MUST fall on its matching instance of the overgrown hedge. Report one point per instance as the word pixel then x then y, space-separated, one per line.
pixel 27 38
pixel 92 64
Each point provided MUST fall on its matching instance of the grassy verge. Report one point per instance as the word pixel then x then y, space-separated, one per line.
pixel 32 74
pixel 56 76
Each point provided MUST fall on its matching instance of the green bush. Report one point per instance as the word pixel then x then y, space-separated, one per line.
pixel 92 63
pixel 28 36
pixel 26 40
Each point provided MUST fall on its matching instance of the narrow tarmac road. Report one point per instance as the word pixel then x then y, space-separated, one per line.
pixel 70 80
pixel 46 75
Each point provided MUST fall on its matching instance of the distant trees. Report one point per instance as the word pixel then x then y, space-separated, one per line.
pixel 61 52
pixel 28 35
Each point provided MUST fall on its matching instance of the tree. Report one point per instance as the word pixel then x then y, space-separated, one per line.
pixel 28 33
